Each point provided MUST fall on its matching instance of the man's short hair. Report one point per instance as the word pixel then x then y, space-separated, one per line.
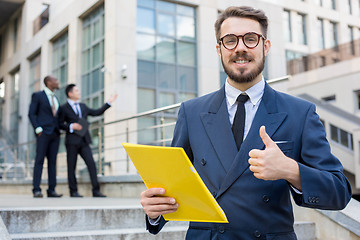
pixel 69 88
pixel 47 79
pixel 242 12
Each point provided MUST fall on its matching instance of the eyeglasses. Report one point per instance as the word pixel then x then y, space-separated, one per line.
pixel 250 40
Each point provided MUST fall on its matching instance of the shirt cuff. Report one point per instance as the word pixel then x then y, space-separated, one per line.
pixel 38 130
pixel 296 190
pixel 71 130
pixel 108 103
pixel 154 222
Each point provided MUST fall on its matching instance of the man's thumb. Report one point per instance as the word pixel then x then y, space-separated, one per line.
pixel 265 137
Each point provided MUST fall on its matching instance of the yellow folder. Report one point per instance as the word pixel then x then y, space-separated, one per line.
pixel 171 169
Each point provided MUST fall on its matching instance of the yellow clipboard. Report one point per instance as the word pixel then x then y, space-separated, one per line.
pixel 171 169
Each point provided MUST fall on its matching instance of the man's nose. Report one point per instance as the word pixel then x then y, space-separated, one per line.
pixel 241 46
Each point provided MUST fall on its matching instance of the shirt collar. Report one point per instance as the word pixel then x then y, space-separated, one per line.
pixel 255 93
pixel 71 102
pixel 48 91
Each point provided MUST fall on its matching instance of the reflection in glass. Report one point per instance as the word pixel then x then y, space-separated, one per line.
pixel 187 79
pixel 166 76
pixel 186 54
pixel 185 28
pixel 146 99
pixel 146 74
pixel 145 46
pixel 186 10
pixel 165 50
pixel 166 24
pixel 145 20
pixel 166 99
pixel 165 6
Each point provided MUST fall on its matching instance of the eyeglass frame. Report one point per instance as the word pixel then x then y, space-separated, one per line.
pixel 242 38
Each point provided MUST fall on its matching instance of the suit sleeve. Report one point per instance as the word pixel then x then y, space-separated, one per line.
pixel 324 185
pixel 33 110
pixel 63 124
pixel 99 111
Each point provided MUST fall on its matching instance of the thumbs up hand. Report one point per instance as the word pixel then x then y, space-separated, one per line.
pixel 272 164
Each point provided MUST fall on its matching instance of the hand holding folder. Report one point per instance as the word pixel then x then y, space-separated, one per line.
pixel 171 169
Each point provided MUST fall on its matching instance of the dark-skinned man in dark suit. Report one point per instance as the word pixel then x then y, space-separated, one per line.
pixel 76 142
pixel 43 117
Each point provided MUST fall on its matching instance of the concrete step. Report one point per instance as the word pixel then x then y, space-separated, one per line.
pixel 65 219
pixel 174 233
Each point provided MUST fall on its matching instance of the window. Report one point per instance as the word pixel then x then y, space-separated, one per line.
pixel 321 32
pixel 287 24
pixel 92 75
pixel 349 7
pixel 357 99
pixel 14 109
pixel 329 4
pixel 92 78
pixel 351 40
pixel 34 79
pixel 342 137
pixel 60 65
pixel 301 26
pixel 15 36
pixel 166 54
pixel 333 35
pixel 331 98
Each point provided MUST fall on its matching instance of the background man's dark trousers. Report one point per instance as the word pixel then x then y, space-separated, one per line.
pixel 46 146
pixel 84 150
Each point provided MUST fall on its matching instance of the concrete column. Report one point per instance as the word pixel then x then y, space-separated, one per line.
pixel 208 59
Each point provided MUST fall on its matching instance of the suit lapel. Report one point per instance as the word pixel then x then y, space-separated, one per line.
pixel 218 128
pixel 46 99
pixel 71 109
pixel 267 115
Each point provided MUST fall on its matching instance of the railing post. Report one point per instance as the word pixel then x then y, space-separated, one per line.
pixel 162 121
pixel 5 158
pixel 15 163
pixel 100 149
pixel 127 140
pixel 27 170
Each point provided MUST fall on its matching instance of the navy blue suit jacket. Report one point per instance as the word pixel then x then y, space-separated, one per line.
pixel 67 116
pixel 40 113
pixel 258 209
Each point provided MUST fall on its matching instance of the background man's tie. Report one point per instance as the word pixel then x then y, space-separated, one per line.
pixel 239 120
pixel 53 109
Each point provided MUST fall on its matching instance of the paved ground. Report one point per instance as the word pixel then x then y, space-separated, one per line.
pixel 27 201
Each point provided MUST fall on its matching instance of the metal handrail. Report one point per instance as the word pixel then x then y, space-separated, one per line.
pixel 101 152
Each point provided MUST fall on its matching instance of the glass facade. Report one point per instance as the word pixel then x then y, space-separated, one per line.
pixel 92 76
pixel 333 39
pixel 14 109
pixel 301 26
pixel 321 33
pixel 287 26
pixel 60 65
pixel 342 137
pixel 34 86
pixel 166 54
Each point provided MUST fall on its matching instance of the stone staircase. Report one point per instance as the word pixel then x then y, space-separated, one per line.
pixel 98 222
pixel 84 223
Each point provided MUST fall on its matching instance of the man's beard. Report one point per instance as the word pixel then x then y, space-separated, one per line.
pixel 241 77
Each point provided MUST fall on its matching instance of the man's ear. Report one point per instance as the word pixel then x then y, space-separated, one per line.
pixel 267 46
pixel 218 49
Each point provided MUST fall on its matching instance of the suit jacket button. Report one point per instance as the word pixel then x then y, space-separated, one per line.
pixel 221 229
pixel 203 162
pixel 257 234
pixel 266 199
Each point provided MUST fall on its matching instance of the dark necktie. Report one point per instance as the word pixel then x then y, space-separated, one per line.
pixel 239 120
pixel 78 110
